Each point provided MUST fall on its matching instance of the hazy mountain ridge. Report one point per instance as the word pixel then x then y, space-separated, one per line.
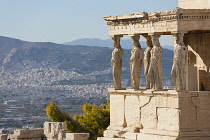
pixel 125 43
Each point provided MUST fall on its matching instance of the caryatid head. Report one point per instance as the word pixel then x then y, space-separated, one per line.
pixel 178 38
pixel 116 41
pixel 135 39
pixel 148 40
pixel 155 40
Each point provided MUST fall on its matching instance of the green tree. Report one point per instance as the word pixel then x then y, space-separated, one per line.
pixel 94 120
pixel 56 115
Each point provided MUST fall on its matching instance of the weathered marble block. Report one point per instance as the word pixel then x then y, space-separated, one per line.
pixel 30 134
pixel 117 110
pixel 77 136
pixel 55 130
pixel 132 111
pixel 194 4
pixel 159 115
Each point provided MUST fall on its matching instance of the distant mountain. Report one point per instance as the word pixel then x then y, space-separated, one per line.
pixel 125 43
pixel 76 57
pixel 168 47
pixel 100 43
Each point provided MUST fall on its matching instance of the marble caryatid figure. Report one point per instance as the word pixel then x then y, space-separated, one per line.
pixel 147 57
pixel 178 71
pixel 116 62
pixel 155 67
pixel 136 62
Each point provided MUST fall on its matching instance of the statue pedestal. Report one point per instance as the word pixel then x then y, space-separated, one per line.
pixel 159 115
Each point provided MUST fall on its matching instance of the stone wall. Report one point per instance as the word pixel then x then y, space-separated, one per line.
pixel 77 136
pixel 30 134
pixel 57 131
pixel 166 114
pixel 51 131
pixel 194 4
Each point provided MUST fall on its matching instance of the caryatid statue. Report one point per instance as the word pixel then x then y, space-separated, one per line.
pixel 116 62
pixel 155 67
pixel 147 57
pixel 178 71
pixel 136 62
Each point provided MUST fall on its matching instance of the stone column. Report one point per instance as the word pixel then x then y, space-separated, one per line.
pixel 135 62
pixel 179 67
pixel 155 68
pixel 147 57
pixel 116 62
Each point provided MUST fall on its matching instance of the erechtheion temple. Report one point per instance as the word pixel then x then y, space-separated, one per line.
pixel 153 113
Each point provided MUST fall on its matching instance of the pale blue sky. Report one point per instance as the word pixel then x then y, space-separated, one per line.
pixel 62 21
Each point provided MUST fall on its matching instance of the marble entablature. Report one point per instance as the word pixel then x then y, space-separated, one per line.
pixel 164 22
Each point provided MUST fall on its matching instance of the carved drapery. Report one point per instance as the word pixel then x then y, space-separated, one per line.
pixel 116 62
pixel 147 57
pixel 178 71
pixel 135 62
pixel 155 67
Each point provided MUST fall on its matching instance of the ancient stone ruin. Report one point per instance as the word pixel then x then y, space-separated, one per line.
pixel 182 113
pixel 51 131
